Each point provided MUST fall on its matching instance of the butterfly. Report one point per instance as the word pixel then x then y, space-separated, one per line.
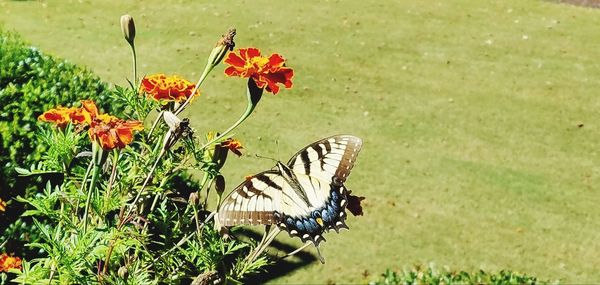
pixel 305 197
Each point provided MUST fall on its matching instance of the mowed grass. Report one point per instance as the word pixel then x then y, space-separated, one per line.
pixel 480 119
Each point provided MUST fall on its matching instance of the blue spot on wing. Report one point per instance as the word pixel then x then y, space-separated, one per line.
pixel 330 213
pixel 326 216
pixel 300 226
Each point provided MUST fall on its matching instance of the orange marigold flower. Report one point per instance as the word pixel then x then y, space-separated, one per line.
pixel 61 116
pixel 167 88
pixel 2 205
pixel 266 71
pixel 233 145
pixel 9 262
pixel 111 132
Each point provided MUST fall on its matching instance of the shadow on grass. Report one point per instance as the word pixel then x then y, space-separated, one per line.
pixel 281 267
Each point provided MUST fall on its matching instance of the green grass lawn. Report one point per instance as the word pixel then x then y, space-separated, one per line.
pixel 480 119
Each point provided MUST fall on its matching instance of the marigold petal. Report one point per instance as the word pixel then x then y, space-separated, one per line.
pixel 235 60
pixel 249 53
pixel 276 60
pixel 90 107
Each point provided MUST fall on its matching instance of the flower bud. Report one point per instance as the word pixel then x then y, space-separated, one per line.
pixel 123 272
pixel 128 28
pixel 220 184
pixel 224 45
pixel 193 199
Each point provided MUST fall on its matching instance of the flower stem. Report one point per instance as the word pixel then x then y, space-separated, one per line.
pixel 155 124
pixel 139 193
pixel 113 175
pixel 296 251
pixel 82 188
pixel 95 174
pixel 134 56
pixel 263 244
pixel 209 67
pixel 252 102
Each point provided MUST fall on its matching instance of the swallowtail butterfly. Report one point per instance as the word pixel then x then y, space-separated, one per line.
pixel 305 197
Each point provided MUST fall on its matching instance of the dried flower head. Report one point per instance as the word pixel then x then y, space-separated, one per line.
pixel 224 45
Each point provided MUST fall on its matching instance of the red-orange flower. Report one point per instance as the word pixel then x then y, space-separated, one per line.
pixel 233 145
pixel 58 116
pixel 2 205
pixel 167 88
pixel 9 262
pixel 61 116
pixel 267 72
pixel 111 132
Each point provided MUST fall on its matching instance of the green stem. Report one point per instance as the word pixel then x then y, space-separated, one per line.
pixel 139 193
pixel 155 124
pixel 249 108
pixel 209 67
pixel 82 188
pixel 134 63
pixel 113 175
pixel 95 175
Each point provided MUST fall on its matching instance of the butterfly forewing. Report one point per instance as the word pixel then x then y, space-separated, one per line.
pixel 328 158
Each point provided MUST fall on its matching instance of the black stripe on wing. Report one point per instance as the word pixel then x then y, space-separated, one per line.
pixel 260 205
pixel 331 158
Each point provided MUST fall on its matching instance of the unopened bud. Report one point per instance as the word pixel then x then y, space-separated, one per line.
pixel 128 28
pixel 123 272
pixel 220 184
pixel 193 199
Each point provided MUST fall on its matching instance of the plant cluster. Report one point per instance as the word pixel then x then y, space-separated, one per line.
pixel 31 82
pixel 115 214
pixel 431 275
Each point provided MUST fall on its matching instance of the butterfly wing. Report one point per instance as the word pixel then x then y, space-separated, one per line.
pixel 320 169
pixel 257 200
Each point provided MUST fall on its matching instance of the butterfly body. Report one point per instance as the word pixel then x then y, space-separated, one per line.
pixel 305 197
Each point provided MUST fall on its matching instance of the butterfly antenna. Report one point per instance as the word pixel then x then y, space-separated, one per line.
pixel 277 144
pixel 269 158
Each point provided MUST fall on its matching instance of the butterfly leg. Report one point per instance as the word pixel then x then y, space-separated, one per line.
pixel 321 258
pixel 297 250
pixel 270 236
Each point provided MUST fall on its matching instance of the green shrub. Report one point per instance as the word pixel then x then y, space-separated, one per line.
pixel 432 275
pixel 31 82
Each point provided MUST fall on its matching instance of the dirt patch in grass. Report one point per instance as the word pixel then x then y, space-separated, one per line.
pixel 585 3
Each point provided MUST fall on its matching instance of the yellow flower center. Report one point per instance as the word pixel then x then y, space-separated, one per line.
pixel 258 62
